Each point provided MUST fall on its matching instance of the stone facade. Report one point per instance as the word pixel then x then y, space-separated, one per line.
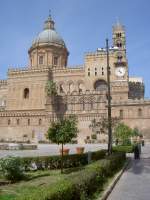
pixel 27 111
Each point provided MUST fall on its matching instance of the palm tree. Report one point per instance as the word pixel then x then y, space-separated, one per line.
pixel 51 91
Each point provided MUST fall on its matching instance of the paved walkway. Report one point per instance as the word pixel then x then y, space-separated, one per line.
pixel 50 149
pixel 135 181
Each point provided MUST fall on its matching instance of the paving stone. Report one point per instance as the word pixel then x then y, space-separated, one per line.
pixel 135 182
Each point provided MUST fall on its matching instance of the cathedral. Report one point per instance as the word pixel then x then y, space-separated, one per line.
pixel 26 111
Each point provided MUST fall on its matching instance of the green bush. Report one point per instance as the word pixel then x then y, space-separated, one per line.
pixel 69 161
pixel 82 184
pixel 122 148
pixel 11 168
pixel 94 136
pixel 97 155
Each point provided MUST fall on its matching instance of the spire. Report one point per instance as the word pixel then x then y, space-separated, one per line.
pixel 49 23
pixel 118 22
pixel 118 26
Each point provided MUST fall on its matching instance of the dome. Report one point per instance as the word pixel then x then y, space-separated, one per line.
pixel 48 36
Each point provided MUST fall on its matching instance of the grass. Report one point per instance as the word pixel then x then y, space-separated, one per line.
pixel 39 182
pixel 38 179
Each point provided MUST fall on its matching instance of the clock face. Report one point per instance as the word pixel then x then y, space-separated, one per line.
pixel 120 71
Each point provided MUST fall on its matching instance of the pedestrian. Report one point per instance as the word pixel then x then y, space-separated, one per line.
pixel 136 152
pixel 142 142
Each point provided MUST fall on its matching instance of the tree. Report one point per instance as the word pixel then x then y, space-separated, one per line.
pixel 136 132
pixel 102 124
pixel 62 132
pixel 51 88
pixel 123 133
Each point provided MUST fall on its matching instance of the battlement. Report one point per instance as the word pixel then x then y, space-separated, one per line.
pixel 13 71
pixel 131 102
pixel 69 69
pixel 101 52
pixel 5 113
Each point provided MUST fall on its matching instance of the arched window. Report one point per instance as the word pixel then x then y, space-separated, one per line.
pixel 90 105
pixel 31 62
pixel 71 87
pixel 61 90
pixel 80 87
pixel 83 106
pixel 9 121
pixel 139 112
pixel 28 122
pixel 118 34
pixel 119 44
pixel 41 60
pixel 88 71
pixel 18 121
pixel 55 61
pixel 119 58
pixel 121 114
pixel 100 85
pixel 40 121
pixel 26 93
pixel 33 134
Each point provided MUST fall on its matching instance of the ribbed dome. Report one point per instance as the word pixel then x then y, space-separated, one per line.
pixel 48 35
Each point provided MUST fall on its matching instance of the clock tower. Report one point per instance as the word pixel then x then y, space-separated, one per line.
pixel 120 62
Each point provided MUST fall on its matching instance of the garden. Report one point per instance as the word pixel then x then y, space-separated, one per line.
pixel 80 178
pixel 64 177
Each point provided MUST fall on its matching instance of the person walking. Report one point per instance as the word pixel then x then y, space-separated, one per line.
pixel 136 152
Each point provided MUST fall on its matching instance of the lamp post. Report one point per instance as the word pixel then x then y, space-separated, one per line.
pixel 109 103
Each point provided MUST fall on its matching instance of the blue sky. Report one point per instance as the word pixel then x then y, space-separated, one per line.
pixel 83 24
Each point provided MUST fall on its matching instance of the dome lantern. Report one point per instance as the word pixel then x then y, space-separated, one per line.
pixel 49 23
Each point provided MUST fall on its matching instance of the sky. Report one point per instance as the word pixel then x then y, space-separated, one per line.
pixel 83 24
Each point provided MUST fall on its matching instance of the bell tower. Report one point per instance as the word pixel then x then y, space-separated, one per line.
pixel 119 39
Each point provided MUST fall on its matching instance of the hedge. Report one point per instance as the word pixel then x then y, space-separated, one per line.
pixel 54 162
pixel 121 148
pixel 82 184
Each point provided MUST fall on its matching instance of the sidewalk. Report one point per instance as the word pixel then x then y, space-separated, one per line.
pixel 135 181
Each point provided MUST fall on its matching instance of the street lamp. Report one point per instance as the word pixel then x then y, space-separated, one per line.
pixel 109 102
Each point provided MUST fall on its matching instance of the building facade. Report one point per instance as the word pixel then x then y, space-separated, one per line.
pixel 26 111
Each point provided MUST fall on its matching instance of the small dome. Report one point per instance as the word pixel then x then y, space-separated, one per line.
pixel 48 35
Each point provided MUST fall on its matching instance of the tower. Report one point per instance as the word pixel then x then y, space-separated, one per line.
pixel 119 39
pixel 120 62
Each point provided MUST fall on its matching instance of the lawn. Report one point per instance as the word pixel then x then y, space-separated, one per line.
pixel 38 179
pixel 74 183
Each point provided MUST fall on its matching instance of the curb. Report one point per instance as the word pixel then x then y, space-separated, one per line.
pixel 114 181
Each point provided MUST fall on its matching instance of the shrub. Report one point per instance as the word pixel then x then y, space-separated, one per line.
pixel 82 184
pixel 69 161
pixel 11 168
pixel 126 149
pixel 97 155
